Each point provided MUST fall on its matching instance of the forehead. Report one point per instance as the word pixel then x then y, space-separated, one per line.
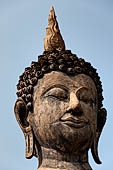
pixel 56 77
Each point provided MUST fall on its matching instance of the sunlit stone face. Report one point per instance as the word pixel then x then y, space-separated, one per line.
pixel 65 112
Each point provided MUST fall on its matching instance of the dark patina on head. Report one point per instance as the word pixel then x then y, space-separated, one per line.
pixel 59 103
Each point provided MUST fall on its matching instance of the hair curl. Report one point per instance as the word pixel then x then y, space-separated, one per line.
pixel 56 60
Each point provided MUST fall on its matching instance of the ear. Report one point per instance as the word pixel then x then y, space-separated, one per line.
pixel 101 119
pixel 21 116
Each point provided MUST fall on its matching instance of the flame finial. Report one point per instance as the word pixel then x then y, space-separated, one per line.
pixel 53 39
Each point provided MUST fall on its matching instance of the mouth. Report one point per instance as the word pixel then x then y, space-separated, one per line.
pixel 74 121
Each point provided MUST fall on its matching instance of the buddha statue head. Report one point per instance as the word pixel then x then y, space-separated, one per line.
pixel 59 106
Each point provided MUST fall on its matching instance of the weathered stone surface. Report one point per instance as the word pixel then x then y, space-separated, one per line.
pixel 59 109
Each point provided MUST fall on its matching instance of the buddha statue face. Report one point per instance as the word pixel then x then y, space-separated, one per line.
pixel 65 112
pixel 60 110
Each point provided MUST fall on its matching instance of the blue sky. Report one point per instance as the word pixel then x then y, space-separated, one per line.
pixel 87 28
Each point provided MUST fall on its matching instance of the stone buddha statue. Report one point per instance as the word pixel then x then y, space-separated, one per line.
pixel 59 106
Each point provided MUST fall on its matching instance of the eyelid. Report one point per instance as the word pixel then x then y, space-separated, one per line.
pixel 55 86
pixel 80 88
pixel 89 97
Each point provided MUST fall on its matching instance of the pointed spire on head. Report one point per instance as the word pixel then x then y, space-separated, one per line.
pixel 53 39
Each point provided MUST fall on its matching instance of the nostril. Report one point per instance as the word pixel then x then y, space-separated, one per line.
pixel 76 113
pixel 74 106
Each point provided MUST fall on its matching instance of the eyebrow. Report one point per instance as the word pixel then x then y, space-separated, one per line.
pixel 55 86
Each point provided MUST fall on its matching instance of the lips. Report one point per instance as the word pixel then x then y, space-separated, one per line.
pixel 73 121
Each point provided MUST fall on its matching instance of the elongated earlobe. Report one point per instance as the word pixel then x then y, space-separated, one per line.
pixel 101 119
pixel 94 150
pixel 32 146
pixel 21 116
pixel 29 138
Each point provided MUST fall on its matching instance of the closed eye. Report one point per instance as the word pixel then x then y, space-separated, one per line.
pixel 57 93
pixel 86 96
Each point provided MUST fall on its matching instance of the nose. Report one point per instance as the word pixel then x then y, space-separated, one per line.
pixel 74 102
pixel 74 105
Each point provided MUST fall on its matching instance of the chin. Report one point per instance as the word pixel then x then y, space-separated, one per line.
pixel 68 139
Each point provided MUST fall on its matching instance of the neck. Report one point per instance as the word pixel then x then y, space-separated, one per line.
pixel 53 159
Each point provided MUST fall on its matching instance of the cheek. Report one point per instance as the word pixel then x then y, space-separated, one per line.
pixel 46 113
pixel 91 114
pixel 49 111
